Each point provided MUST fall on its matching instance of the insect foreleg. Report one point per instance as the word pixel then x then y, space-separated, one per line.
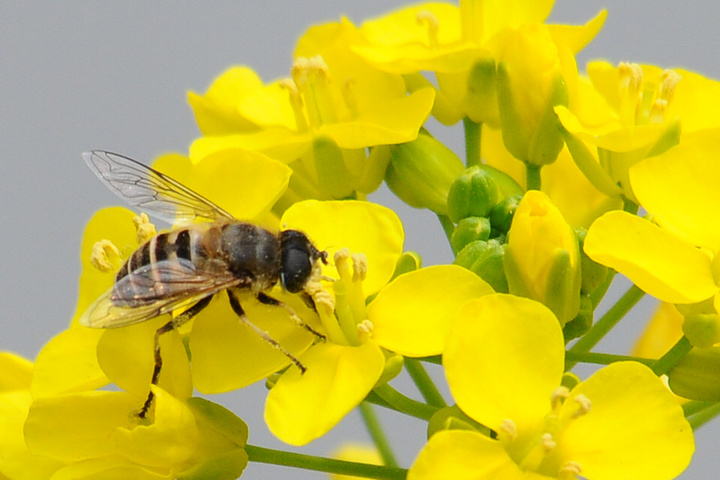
pixel 237 308
pixel 176 322
pixel 266 299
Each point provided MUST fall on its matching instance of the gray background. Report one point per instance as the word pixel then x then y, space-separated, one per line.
pixel 113 75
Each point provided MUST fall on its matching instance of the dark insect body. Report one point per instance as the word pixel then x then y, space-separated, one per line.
pixel 186 267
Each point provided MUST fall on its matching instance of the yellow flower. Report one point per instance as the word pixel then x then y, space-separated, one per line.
pixel 462 46
pixel 673 257
pixel 16 461
pixel 409 316
pixel 319 122
pixel 626 113
pixel 504 363
pixel 97 434
pixel 542 258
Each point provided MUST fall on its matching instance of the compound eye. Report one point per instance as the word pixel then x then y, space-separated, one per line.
pixel 296 269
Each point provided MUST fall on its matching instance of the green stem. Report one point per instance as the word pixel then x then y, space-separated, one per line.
pixel 701 418
pixel 672 357
pixel 606 323
pixel 532 174
pixel 424 383
pixel 378 435
pixel 604 358
pixel 473 136
pixel 447 225
pixel 321 464
pixel 403 404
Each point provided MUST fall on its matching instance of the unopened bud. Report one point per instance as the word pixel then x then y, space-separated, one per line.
pixel 502 215
pixel 702 329
pixel 485 259
pixel 472 194
pixel 421 172
pixel 697 375
pixel 469 230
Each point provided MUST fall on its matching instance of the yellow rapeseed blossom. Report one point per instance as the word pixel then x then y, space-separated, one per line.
pixel 620 423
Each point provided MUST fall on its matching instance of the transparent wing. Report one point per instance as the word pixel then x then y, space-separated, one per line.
pixel 154 290
pixel 150 190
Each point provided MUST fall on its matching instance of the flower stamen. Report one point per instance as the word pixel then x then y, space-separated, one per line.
pixel 432 25
pixel 105 256
pixel 144 228
pixel 312 77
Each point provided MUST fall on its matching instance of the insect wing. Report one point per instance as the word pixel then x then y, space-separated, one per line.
pixel 154 290
pixel 150 190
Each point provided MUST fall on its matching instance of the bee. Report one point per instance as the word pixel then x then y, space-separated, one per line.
pixel 184 268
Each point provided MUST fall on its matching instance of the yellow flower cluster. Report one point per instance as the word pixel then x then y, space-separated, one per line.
pixel 567 179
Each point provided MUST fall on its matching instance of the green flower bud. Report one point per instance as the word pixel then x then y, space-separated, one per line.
pixel 537 139
pixel 421 172
pixel 393 366
pixel 697 375
pixel 702 329
pixel 469 230
pixel 593 273
pixel 502 215
pixel 582 322
pixel 485 259
pixel 472 194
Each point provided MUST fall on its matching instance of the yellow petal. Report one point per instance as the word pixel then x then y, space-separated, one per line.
pixel 661 333
pixel 303 407
pixel 68 363
pixel 655 260
pixel 227 355
pixel 108 468
pixel 15 372
pixel 389 123
pixel 171 440
pixel 577 37
pixel 16 462
pixel 635 427
pixel 680 188
pixel 362 227
pixel 465 455
pixel 412 314
pixel 78 426
pixel 503 358
pixel 246 184
pixel 277 143
pixel 126 355
pixel 217 111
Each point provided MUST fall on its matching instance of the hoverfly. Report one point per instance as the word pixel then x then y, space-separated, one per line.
pixel 185 267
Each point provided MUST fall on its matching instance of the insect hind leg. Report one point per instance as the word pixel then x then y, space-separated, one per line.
pixel 266 299
pixel 237 308
pixel 176 322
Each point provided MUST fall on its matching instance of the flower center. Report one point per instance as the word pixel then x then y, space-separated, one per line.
pixel 312 78
pixel 643 102
pixel 538 452
pixel 344 316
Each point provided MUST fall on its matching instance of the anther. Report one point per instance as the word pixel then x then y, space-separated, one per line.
pixel 360 267
pixel 509 428
pixel 584 405
pixel 558 397
pixel 569 471
pixel 104 256
pixel 145 230
pixel 430 21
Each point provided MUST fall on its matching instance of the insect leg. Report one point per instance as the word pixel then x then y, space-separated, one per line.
pixel 235 304
pixel 176 322
pixel 266 299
